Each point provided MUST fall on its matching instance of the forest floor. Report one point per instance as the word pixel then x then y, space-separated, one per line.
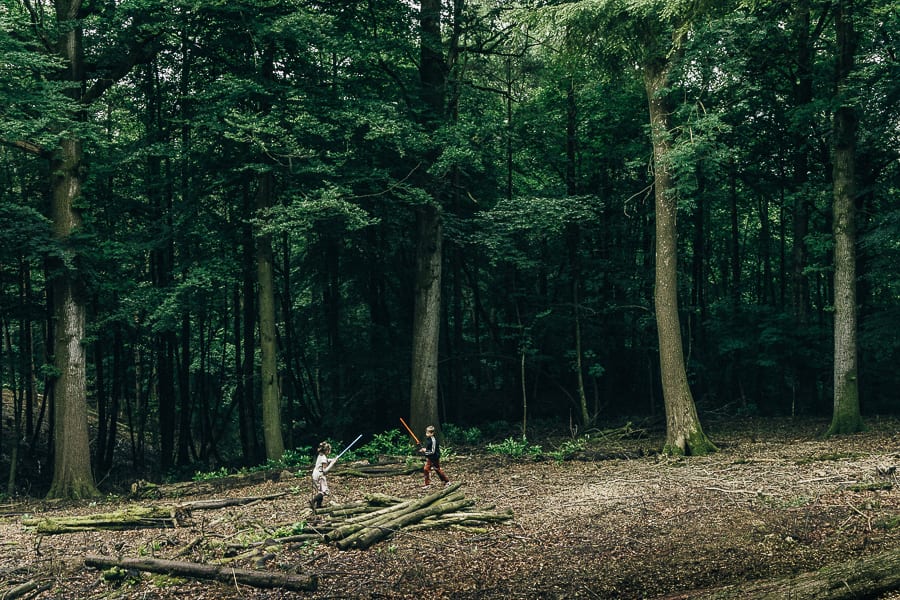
pixel 624 522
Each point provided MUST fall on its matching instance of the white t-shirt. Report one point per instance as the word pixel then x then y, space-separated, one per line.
pixel 321 464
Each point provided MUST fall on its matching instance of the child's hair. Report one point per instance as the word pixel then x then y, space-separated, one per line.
pixel 429 429
pixel 324 448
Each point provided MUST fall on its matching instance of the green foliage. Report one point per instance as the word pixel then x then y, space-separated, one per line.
pixel 568 449
pixel 463 436
pixel 295 528
pixel 210 475
pixel 516 448
pixel 392 442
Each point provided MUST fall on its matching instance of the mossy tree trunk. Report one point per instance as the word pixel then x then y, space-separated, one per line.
pixel 684 434
pixel 271 394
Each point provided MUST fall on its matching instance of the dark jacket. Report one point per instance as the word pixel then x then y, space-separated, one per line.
pixel 432 448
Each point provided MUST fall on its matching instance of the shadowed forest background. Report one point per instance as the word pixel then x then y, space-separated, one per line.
pixel 229 230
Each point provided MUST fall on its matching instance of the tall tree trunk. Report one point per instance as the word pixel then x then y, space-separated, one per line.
pixel 846 417
pixel 429 230
pixel 271 394
pixel 426 318
pixel 72 475
pixel 185 435
pixel 684 434
pixel 265 270
pixel 288 345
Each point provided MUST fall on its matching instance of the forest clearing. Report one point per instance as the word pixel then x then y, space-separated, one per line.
pixel 618 520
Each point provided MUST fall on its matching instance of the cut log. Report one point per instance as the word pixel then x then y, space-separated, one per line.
pixel 867 577
pixel 253 578
pixel 131 518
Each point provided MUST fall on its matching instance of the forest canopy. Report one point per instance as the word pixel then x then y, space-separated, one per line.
pixel 232 229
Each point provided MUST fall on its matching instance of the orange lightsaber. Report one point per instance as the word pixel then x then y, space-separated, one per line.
pixel 410 432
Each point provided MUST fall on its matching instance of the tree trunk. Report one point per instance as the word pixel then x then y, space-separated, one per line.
pixel 271 395
pixel 426 318
pixel 683 432
pixel 429 231
pixel 846 417
pixel 72 476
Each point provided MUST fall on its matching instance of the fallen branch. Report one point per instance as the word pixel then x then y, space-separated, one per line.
pixel 226 502
pixel 258 579
pixel 25 588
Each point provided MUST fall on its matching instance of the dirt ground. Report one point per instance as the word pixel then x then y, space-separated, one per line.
pixel 619 522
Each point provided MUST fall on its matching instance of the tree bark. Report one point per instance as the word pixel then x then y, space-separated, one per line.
pixel 846 417
pixel 426 318
pixel 72 475
pixel 271 394
pixel 683 432
pixel 429 230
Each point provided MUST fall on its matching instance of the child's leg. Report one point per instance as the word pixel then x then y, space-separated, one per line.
pixel 427 471
pixel 440 471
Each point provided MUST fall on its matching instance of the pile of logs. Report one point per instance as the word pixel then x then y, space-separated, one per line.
pixel 356 525
pixel 359 525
